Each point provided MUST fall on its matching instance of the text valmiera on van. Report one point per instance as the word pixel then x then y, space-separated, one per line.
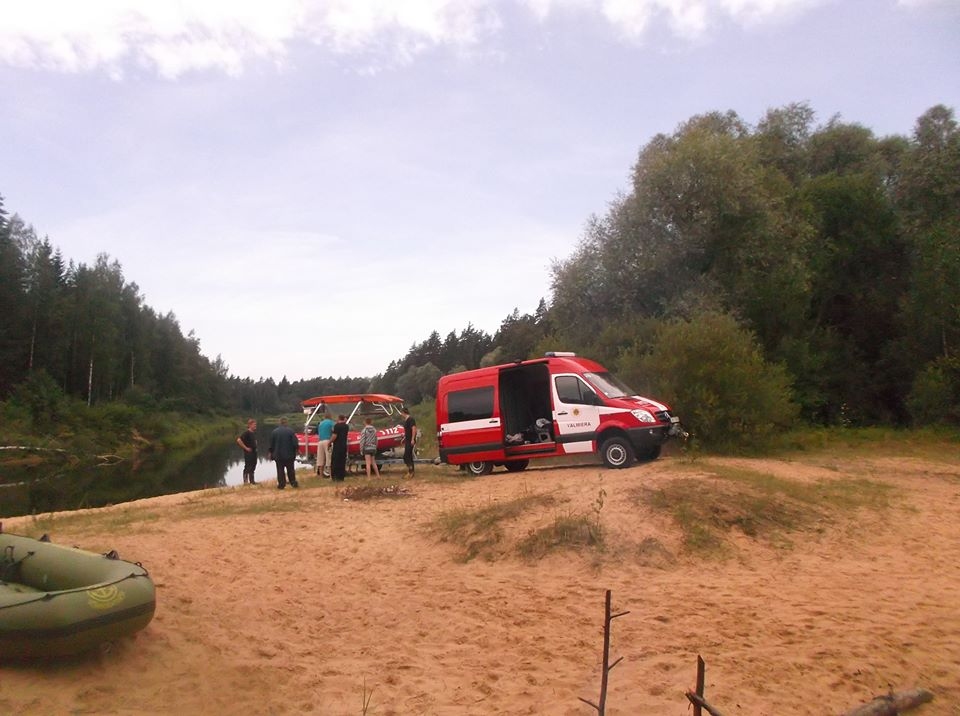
pixel 557 405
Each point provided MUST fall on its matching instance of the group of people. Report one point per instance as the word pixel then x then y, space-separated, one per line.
pixel 331 449
pixel 283 451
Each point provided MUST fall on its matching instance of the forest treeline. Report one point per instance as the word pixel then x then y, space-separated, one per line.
pixel 754 276
pixel 750 275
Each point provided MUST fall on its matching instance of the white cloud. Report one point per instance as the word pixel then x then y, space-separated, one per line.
pixel 751 12
pixel 169 36
pixel 922 3
pixel 172 37
pixel 175 37
pixel 687 19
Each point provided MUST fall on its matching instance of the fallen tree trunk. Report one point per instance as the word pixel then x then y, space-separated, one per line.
pixel 893 704
pixel 31 448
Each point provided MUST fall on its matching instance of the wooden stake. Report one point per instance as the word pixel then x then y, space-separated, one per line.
pixel 701 678
pixel 607 666
pixel 697 700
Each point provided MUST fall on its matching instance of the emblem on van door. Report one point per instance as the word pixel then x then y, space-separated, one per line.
pixel 576 411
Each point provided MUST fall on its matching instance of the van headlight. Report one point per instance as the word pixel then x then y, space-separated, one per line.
pixel 644 416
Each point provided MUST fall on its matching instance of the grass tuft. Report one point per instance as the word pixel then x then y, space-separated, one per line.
pixel 758 505
pixel 373 491
pixel 479 532
pixel 565 532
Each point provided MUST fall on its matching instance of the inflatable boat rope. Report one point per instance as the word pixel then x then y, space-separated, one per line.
pixel 9 572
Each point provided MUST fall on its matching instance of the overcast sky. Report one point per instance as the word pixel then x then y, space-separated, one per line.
pixel 312 187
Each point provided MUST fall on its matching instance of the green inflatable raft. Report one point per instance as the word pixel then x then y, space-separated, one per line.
pixel 57 601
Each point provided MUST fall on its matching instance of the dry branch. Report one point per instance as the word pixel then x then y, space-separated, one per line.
pixel 31 448
pixel 702 703
pixel 701 684
pixel 893 704
pixel 607 666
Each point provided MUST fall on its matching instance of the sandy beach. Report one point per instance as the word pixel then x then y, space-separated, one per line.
pixel 301 601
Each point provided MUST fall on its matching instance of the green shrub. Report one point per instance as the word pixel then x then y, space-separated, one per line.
pixel 935 395
pixel 140 398
pixel 712 372
pixel 113 418
pixel 42 398
pixel 425 415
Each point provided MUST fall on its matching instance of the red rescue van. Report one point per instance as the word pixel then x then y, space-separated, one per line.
pixel 547 407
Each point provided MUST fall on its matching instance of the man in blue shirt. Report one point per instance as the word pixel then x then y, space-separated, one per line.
pixel 324 433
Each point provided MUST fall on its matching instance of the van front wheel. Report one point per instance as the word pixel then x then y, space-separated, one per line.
pixel 617 452
pixel 516 465
pixel 479 467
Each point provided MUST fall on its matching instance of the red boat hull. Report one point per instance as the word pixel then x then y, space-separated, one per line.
pixel 387 439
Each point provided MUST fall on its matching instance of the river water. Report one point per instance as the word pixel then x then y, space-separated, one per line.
pixel 52 487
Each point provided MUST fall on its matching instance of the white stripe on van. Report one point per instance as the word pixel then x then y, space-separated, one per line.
pixel 606 410
pixel 654 403
pixel 470 425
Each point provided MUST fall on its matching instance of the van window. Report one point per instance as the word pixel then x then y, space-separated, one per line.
pixel 610 385
pixel 572 390
pixel 473 404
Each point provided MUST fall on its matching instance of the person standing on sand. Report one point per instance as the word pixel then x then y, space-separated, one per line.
pixel 409 436
pixel 324 433
pixel 283 450
pixel 338 455
pixel 248 442
pixel 368 446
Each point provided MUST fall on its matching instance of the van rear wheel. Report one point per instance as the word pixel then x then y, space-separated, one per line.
pixel 516 465
pixel 617 452
pixel 479 467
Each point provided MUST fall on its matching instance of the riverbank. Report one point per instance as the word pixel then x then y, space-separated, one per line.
pixel 451 595
pixel 82 464
pixel 115 431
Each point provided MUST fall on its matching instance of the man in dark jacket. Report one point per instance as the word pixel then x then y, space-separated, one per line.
pixel 248 442
pixel 409 439
pixel 283 451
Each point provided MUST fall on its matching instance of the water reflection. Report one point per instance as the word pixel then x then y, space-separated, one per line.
pixel 51 487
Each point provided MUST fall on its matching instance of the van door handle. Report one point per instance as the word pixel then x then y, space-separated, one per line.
pixel 563 413
pixel 492 422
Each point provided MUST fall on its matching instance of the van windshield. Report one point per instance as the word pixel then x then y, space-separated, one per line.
pixel 610 385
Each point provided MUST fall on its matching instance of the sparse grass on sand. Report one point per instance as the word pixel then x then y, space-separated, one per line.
pixel 373 491
pixel 760 505
pixel 479 532
pixel 567 531
pixel 484 531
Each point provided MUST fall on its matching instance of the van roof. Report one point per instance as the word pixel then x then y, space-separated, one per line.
pixel 558 363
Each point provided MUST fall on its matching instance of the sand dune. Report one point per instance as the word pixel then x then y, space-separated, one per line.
pixel 275 602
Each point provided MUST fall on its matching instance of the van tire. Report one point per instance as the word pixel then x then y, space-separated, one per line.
pixel 478 468
pixel 516 465
pixel 617 452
